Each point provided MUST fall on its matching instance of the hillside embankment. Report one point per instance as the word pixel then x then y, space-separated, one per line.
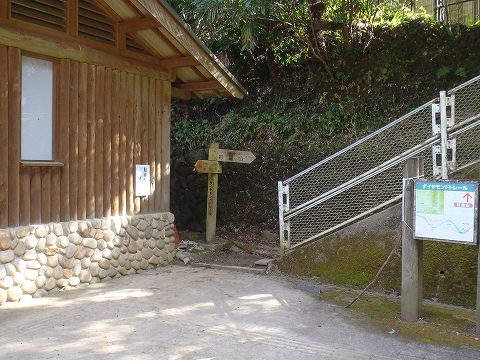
pixel 295 116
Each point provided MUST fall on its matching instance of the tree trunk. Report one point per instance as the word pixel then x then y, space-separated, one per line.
pixel 316 38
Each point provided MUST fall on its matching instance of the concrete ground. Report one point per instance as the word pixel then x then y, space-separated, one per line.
pixel 186 312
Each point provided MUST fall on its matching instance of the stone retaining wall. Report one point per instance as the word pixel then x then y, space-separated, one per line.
pixel 37 259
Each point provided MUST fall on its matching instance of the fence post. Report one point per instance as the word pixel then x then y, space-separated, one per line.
pixel 412 250
pixel 443 133
pixel 280 218
pixel 283 205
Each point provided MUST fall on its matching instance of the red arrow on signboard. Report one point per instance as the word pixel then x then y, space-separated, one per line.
pixel 467 196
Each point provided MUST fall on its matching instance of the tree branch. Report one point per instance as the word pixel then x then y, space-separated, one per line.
pixel 399 239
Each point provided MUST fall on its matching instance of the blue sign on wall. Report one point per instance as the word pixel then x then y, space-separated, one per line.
pixel 446 210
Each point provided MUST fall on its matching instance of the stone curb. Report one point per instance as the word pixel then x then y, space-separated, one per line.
pixel 230 267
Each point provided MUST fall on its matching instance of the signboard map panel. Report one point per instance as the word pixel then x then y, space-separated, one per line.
pixel 446 210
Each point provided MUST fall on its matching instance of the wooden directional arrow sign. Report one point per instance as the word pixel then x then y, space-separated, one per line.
pixel 245 157
pixel 208 167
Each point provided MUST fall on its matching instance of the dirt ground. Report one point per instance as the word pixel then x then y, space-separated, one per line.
pixel 227 249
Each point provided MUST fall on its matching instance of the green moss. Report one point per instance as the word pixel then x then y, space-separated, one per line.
pixel 440 324
pixel 450 273
pixel 449 270
pixel 352 260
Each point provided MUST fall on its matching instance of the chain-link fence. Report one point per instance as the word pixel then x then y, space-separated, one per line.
pixel 367 175
pixel 465 131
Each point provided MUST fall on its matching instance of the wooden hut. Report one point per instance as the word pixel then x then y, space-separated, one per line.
pixel 85 98
pixel 85 95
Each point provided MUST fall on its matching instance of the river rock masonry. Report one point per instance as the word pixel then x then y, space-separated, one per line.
pixel 37 259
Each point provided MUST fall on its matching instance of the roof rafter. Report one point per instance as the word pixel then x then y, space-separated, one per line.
pixel 204 85
pixel 175 25
pixel 146 33
pixel 177 62
pixel 138 25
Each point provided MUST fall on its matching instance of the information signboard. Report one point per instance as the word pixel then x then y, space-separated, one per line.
pixel 446 210
pixel 208 167
pixel 142 180
pixel 245 157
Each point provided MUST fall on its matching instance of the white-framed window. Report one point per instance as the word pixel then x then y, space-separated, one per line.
pixel 37 109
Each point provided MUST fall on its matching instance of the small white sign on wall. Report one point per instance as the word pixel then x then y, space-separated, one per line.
pixel 142 180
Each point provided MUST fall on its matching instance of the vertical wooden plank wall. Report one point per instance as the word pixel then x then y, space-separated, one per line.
pixel 90 135
pixel 115 121
pixel 122 174
pixel 35 194
pixel 107 145
pixel 130 129
pixel 137 132
pixel 82 141
pixel 4 135
pixel 61 136
pixel 166 105
pixel 144 134
pixel 151 142
pixel 73 136
pixel 14 70
pixel 107 121
pixel 46 196
pixel 158 148
pixel 99 121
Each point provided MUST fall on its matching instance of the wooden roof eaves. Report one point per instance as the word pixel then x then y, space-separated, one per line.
pixel 176 26
pixel 203 85
pixel 181 94
pixel 184 94
pixel 137 25
pixel 173 63
pixel 38 40
pixel 134 27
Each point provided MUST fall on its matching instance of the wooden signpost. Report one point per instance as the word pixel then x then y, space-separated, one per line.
pixel 208 167
pixel 244 157
pixel 212 167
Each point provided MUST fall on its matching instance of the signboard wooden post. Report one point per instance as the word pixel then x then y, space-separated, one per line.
pixel 212 167
pixel 412 249
pixel 212 188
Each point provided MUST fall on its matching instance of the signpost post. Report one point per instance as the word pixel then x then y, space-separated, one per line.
pixel 212 167
pixel 412 249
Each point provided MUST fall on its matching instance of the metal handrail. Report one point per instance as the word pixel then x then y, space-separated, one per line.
pixel 365 176
pixel 397 137
pixel 359 142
